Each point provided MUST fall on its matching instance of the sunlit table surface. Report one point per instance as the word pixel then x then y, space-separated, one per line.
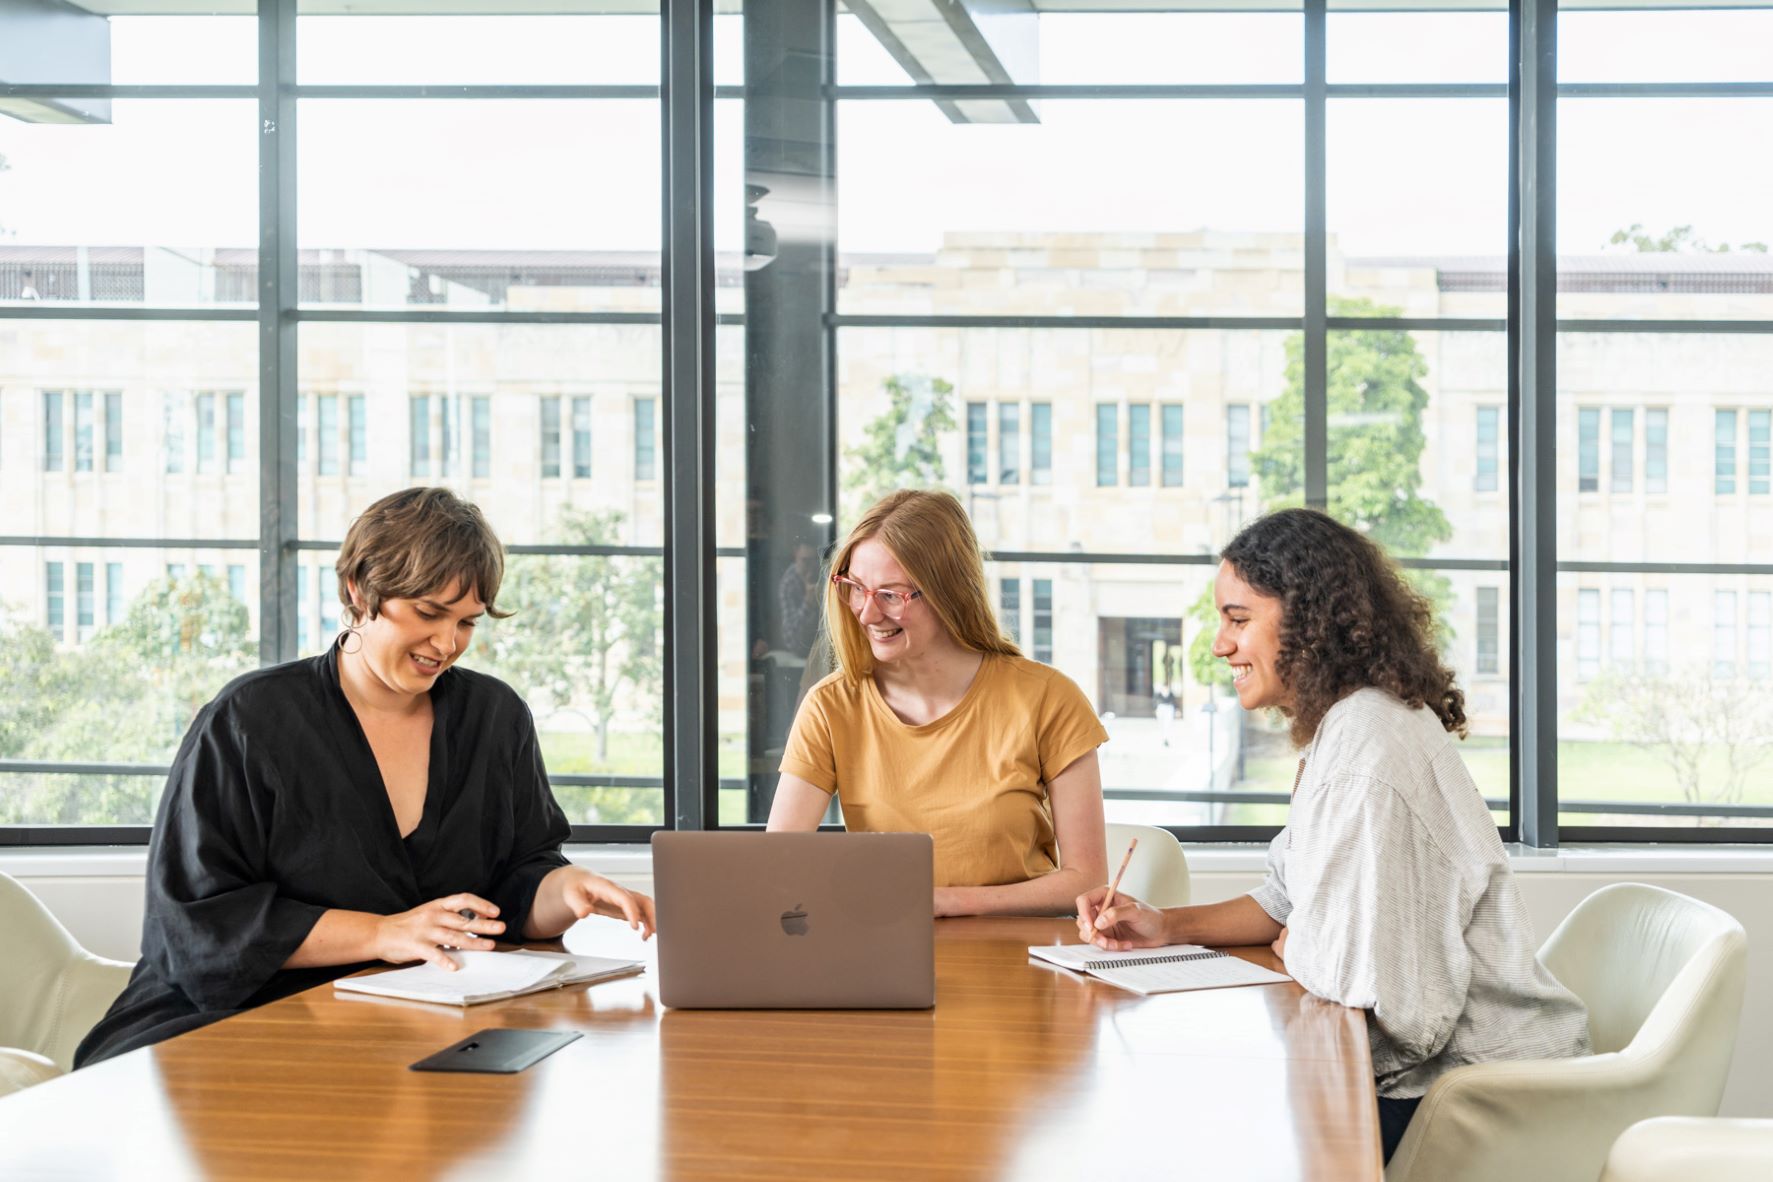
pixel 1020 1071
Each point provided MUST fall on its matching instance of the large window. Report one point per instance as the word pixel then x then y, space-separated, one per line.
pixel 905 268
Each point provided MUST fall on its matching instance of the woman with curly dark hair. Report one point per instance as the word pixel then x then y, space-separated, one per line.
pixel 1389 889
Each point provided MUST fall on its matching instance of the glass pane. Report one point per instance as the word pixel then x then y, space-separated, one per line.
pixel 1662 699
pixel 475 401
pixel 186 240
pixel 129 429
pixel 1686 239
pixel 99 47
pixel 1684 45
pixel 418 47
pixel 1422 233
pixel 1083 378
pixel 1102 225
pixel 391 219
pixel 120 648
pixel 1417 47
pixel 1664 442
pixel 1071 48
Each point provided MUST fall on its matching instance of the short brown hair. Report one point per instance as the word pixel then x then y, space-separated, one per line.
pixel 928 532
pixel 416 542
pixel 1349 618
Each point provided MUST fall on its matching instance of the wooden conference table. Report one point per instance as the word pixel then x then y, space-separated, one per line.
pixel 1019 1071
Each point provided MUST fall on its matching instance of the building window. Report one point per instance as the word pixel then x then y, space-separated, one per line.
pixel 1588 634
pixel 175 410
pixel 236 432
pixel 446 436
pixel 1489 435
pixel 1010 595
pixel 113 593
pixel 113 432
pixel 1107 444
pixel 329 604
pixel 1009 443
pixel 1139 445
pixel 1760 451
pixel 83 431
pixel 175 571
pixel 55 609
pixel 1172 445
pixel 1760 634
pixel 1724 452
pixel 420 409
pixel 550 437
pixel 480 420
pixel 1237 446
pixel 1656 632
pixel 1656 451
pixel 977 426
pixel 1588 450
pixel 85 604
pixel 1489 642
pixel 326 435
pixel 1043 620
pixel 302 432
pixel 1040 432
pixel 646 448
pixel 359 433
pixel 1723 634
pixel 1621 654
pixel 206 433
pixel 581 438
pixel 302 623
pixel 1621 459
pixel 52 431
pixel 237 582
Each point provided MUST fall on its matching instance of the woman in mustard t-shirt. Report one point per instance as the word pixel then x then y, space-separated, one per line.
pixel 935 723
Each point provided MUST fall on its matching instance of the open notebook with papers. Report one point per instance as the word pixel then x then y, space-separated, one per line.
pixel 489 976
pixel 1169 969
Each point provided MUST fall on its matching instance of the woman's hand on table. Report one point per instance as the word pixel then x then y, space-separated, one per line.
pixel 1128 924
pixel 424 932
pixel 587 894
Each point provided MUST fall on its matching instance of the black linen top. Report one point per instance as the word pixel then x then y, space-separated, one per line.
pixel 275 812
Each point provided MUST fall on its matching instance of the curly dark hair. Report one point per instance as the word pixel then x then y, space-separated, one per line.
pixel 1349 618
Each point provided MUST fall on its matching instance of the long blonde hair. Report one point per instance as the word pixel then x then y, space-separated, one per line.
pixel 928 532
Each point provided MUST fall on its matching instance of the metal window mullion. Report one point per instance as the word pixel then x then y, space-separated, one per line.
pixel 1317 464
pixel 277 293
pixel 1533 394
pixel 687 128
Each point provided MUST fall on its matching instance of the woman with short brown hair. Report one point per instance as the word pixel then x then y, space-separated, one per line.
pixel 936 723
pixel 373 803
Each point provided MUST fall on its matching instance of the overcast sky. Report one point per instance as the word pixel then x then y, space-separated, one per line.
pixel 1405 176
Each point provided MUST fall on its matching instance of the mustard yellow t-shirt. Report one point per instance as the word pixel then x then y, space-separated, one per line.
pixel 974 779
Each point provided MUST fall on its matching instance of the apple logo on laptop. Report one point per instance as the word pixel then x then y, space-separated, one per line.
pixel 794 922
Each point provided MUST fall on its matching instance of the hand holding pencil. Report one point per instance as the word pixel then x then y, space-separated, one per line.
pixel 1118 922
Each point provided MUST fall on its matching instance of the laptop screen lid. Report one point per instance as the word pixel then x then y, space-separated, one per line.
pixel 795 920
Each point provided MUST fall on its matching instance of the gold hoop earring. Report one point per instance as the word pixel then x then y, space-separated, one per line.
pixel 345 637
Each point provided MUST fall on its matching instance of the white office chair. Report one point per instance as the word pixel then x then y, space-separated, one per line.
pixel 1662 976
pixel 1158 873
pixel 52 991
pixel 1689 1148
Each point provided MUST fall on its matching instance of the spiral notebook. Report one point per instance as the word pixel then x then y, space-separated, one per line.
pixel 489 976
pixel 1169 969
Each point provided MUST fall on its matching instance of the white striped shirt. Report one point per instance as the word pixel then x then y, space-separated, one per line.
pixel 1397 897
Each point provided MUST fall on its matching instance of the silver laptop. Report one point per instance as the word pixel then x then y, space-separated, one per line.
pixel 795 920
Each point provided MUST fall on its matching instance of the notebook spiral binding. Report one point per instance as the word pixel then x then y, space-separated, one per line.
pixel 1094 965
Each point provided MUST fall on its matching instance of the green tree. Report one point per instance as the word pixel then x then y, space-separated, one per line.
pixel 127 696
pixel 902 446
pixel 1375 405
pixel 1677 239
pixel 585 628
